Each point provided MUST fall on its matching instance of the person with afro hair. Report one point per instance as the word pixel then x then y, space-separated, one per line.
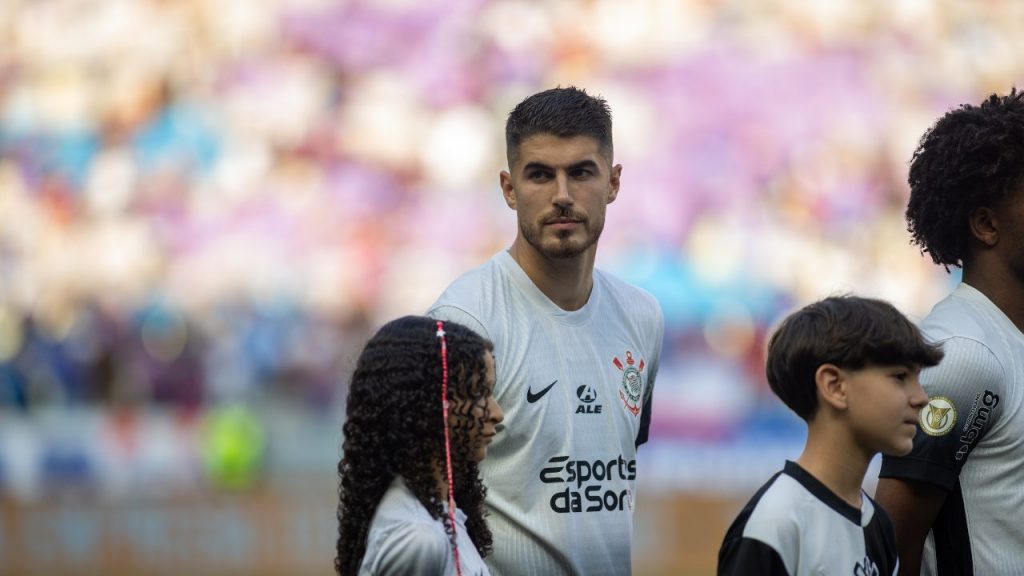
pixel 956 499
pixel 419 417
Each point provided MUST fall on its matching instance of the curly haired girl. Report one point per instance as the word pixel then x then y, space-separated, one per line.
pixel 420 415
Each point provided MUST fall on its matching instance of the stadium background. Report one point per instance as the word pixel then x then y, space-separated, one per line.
pixel 207 206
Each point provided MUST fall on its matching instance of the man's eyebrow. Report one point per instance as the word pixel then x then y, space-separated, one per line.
pixel 536 166
pixel 574 166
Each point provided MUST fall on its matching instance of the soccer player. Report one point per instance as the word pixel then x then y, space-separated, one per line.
pixel 849 367
pixel 577 350
pixel 956 500
pixel 420 415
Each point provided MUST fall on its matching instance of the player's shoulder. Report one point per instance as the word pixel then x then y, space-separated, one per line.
pixel 964 313
pixel 626 293
pixel 971 342
pixel 470 299
pixel 953 317
pixel 472 286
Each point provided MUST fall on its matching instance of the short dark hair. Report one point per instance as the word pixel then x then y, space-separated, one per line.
pixel 849 331
pixel 970 158
pixel 562 112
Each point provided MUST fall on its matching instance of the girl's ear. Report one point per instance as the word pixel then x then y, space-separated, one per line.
pixel 830 381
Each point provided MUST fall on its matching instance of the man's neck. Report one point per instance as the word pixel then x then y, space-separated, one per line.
pixel 1001 287
pixel 567 281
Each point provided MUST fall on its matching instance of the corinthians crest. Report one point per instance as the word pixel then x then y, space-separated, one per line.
pixel 630 391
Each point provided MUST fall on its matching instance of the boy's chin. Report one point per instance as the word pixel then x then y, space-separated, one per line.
pixel 899 450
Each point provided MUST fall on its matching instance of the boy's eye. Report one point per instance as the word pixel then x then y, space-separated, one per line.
pixel 901 376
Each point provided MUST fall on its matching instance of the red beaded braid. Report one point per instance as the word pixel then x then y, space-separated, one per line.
pixel 447 442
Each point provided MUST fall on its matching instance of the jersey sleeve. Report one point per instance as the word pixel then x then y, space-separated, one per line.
pixel 450 313
pixel 645 415
pixel 745 556
pixel 964 405
pixel 413 550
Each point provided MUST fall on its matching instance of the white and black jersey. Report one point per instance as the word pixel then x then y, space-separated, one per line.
pixel 405 540
pixel 795 526
pixel 576 391
pixel 971 439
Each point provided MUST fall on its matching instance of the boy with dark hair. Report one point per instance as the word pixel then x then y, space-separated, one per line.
pixel 577 350
pixel 848 366
pixel 956 499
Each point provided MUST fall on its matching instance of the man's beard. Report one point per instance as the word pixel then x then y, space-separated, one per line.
pixel 565 247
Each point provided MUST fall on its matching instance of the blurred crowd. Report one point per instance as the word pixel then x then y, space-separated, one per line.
pixel 214 203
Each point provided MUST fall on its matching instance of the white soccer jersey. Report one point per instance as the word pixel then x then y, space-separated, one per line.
pixel 795 526
pixel 576 390
pixel 971 439
pixel 405 540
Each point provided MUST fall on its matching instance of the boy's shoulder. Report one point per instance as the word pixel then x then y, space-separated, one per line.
pixel 795 524
pixel 773 513
pixel 765 532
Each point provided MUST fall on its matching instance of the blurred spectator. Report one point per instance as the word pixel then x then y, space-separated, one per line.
pixel 219 210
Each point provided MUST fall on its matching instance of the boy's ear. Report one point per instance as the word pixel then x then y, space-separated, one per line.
pixel 828 378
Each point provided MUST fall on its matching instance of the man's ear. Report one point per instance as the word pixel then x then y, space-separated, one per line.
pixel 984 225
pixel 831 384
pixel 508 190
pixel 614 179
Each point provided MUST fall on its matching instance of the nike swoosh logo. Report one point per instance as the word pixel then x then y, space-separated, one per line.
pixel 531 397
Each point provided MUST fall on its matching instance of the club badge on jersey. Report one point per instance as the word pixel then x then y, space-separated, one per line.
pixel 632 384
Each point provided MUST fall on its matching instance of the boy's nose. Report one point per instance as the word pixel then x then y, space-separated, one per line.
pixel 919 398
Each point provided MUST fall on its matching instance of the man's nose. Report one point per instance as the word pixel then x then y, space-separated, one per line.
pixel 563 196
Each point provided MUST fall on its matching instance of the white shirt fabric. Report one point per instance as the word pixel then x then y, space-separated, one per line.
pixel 971 439
pixel 405 540
pixel 576 391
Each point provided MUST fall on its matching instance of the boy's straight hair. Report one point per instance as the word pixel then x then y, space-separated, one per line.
pixel 850 332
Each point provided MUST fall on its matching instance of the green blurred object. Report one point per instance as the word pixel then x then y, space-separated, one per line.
pixel 233 446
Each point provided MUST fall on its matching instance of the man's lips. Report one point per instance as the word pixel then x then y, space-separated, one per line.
pixel 562 222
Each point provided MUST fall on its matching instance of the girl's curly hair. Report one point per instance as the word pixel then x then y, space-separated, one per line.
pixel 970 158
pixel 394 427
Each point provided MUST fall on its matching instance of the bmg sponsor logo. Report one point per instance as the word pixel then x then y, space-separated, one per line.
pixel 594 497
pixel 976 420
